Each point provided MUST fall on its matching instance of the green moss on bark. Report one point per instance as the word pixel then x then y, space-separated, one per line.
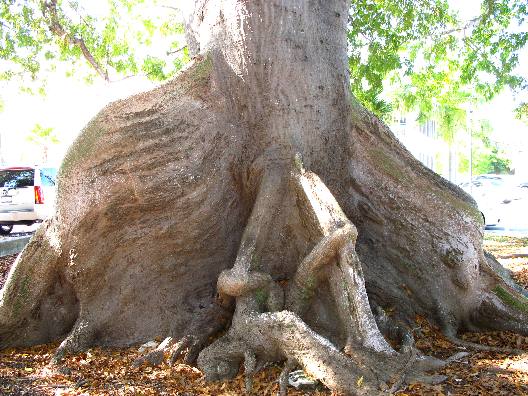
pixel 198 74
pixel 463 206
pixel 388 165
pixel 22 295
pixel 510 300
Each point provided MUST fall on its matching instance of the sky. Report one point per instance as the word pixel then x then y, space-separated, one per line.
pixel 70 104
pixel 67 107
pixel 507 130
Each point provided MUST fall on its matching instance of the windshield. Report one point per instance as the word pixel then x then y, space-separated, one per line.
pixel 16 178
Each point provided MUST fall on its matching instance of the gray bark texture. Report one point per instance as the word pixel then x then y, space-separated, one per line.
pixel 253 197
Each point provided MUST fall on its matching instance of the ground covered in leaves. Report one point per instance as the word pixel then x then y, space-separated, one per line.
pixel 5 264
pixel 27 371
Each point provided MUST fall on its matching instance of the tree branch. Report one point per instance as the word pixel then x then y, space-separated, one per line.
pixel 170 7
pixel 50 13
pixel 467 25
pixel 474 21
pixel 176 50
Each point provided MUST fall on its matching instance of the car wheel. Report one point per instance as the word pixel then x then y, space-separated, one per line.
pixel 5 229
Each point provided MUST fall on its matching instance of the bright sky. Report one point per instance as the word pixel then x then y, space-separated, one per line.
pixel 507 130
pixel 67 107
pixel 70 104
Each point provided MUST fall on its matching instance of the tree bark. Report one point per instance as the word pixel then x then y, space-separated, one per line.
pixel 254 188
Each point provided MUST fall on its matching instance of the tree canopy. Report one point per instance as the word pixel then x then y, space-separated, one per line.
pixel 432 53
pixel 116 38
pixel 435 57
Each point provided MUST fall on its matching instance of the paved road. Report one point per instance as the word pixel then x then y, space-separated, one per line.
pixel 514 221
pixel 21 230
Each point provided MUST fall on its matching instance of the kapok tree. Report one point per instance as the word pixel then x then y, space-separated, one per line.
pixel 252 194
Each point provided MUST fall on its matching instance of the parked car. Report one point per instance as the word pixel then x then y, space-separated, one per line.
pixel 491 193
pixel 27 195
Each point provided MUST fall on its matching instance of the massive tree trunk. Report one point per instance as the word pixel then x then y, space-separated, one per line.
pixel 252 194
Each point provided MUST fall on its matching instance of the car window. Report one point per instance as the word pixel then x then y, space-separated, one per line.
pixel 48 176
pixel 16 178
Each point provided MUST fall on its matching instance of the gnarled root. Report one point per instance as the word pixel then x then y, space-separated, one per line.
pixel 207 322
pixel 394 331
pixel 264 328
pixel 503 307
pixel 37 304
pixel 79 339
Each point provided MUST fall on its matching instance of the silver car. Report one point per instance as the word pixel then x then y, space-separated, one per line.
pixel 27 195
pixel 492 193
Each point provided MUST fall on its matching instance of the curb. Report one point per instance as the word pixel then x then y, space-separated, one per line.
pixel 13 245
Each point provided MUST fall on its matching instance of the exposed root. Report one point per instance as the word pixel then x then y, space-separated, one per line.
pixel 261 332
pixel 401 375
pixel 206 323
pixel 505 308
pixel 326 220
pixel 289 366
pixel 512 256
pixel 189 346
pixel 156 356
pixel 283 334
pixel 250 365
pixel 394 331
pixel 304 283
pixel 80 338
pixel 33 292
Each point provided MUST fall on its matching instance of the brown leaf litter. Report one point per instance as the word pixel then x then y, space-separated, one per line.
pixel 27 371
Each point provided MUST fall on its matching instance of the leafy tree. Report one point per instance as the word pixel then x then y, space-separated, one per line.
pixel 521 112
pixel 250 211
pixel 120 39
pixel 430 51
pixel 42 137
pixel 494 162
pixel 487 156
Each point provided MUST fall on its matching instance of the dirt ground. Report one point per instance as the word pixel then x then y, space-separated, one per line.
pixel 27 371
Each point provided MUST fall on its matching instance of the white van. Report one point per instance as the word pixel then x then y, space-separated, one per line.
pixel 27 195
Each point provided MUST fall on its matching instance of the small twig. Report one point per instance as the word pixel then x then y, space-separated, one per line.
pixel 514 255
pixel 171 8
pixel 467 25
pixel 484 348
pixel 176 50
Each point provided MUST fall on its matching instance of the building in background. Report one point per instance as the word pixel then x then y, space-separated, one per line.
pixel 424 142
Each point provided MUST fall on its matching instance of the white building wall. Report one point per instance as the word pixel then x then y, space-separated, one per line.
pixel 423 142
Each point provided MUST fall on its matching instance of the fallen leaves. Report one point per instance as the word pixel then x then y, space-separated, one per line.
pixel 110 372
pixel 27 371
pixel 5 265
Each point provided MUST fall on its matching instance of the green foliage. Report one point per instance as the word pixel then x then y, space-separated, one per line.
pixel 153 67
pixel 422 47
pixel 42 136
pixel 431 56
pixel 379 31
pixel 495 162
pixel 123 38
pixel 521 112
pixel 487 156
pixel 488 160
